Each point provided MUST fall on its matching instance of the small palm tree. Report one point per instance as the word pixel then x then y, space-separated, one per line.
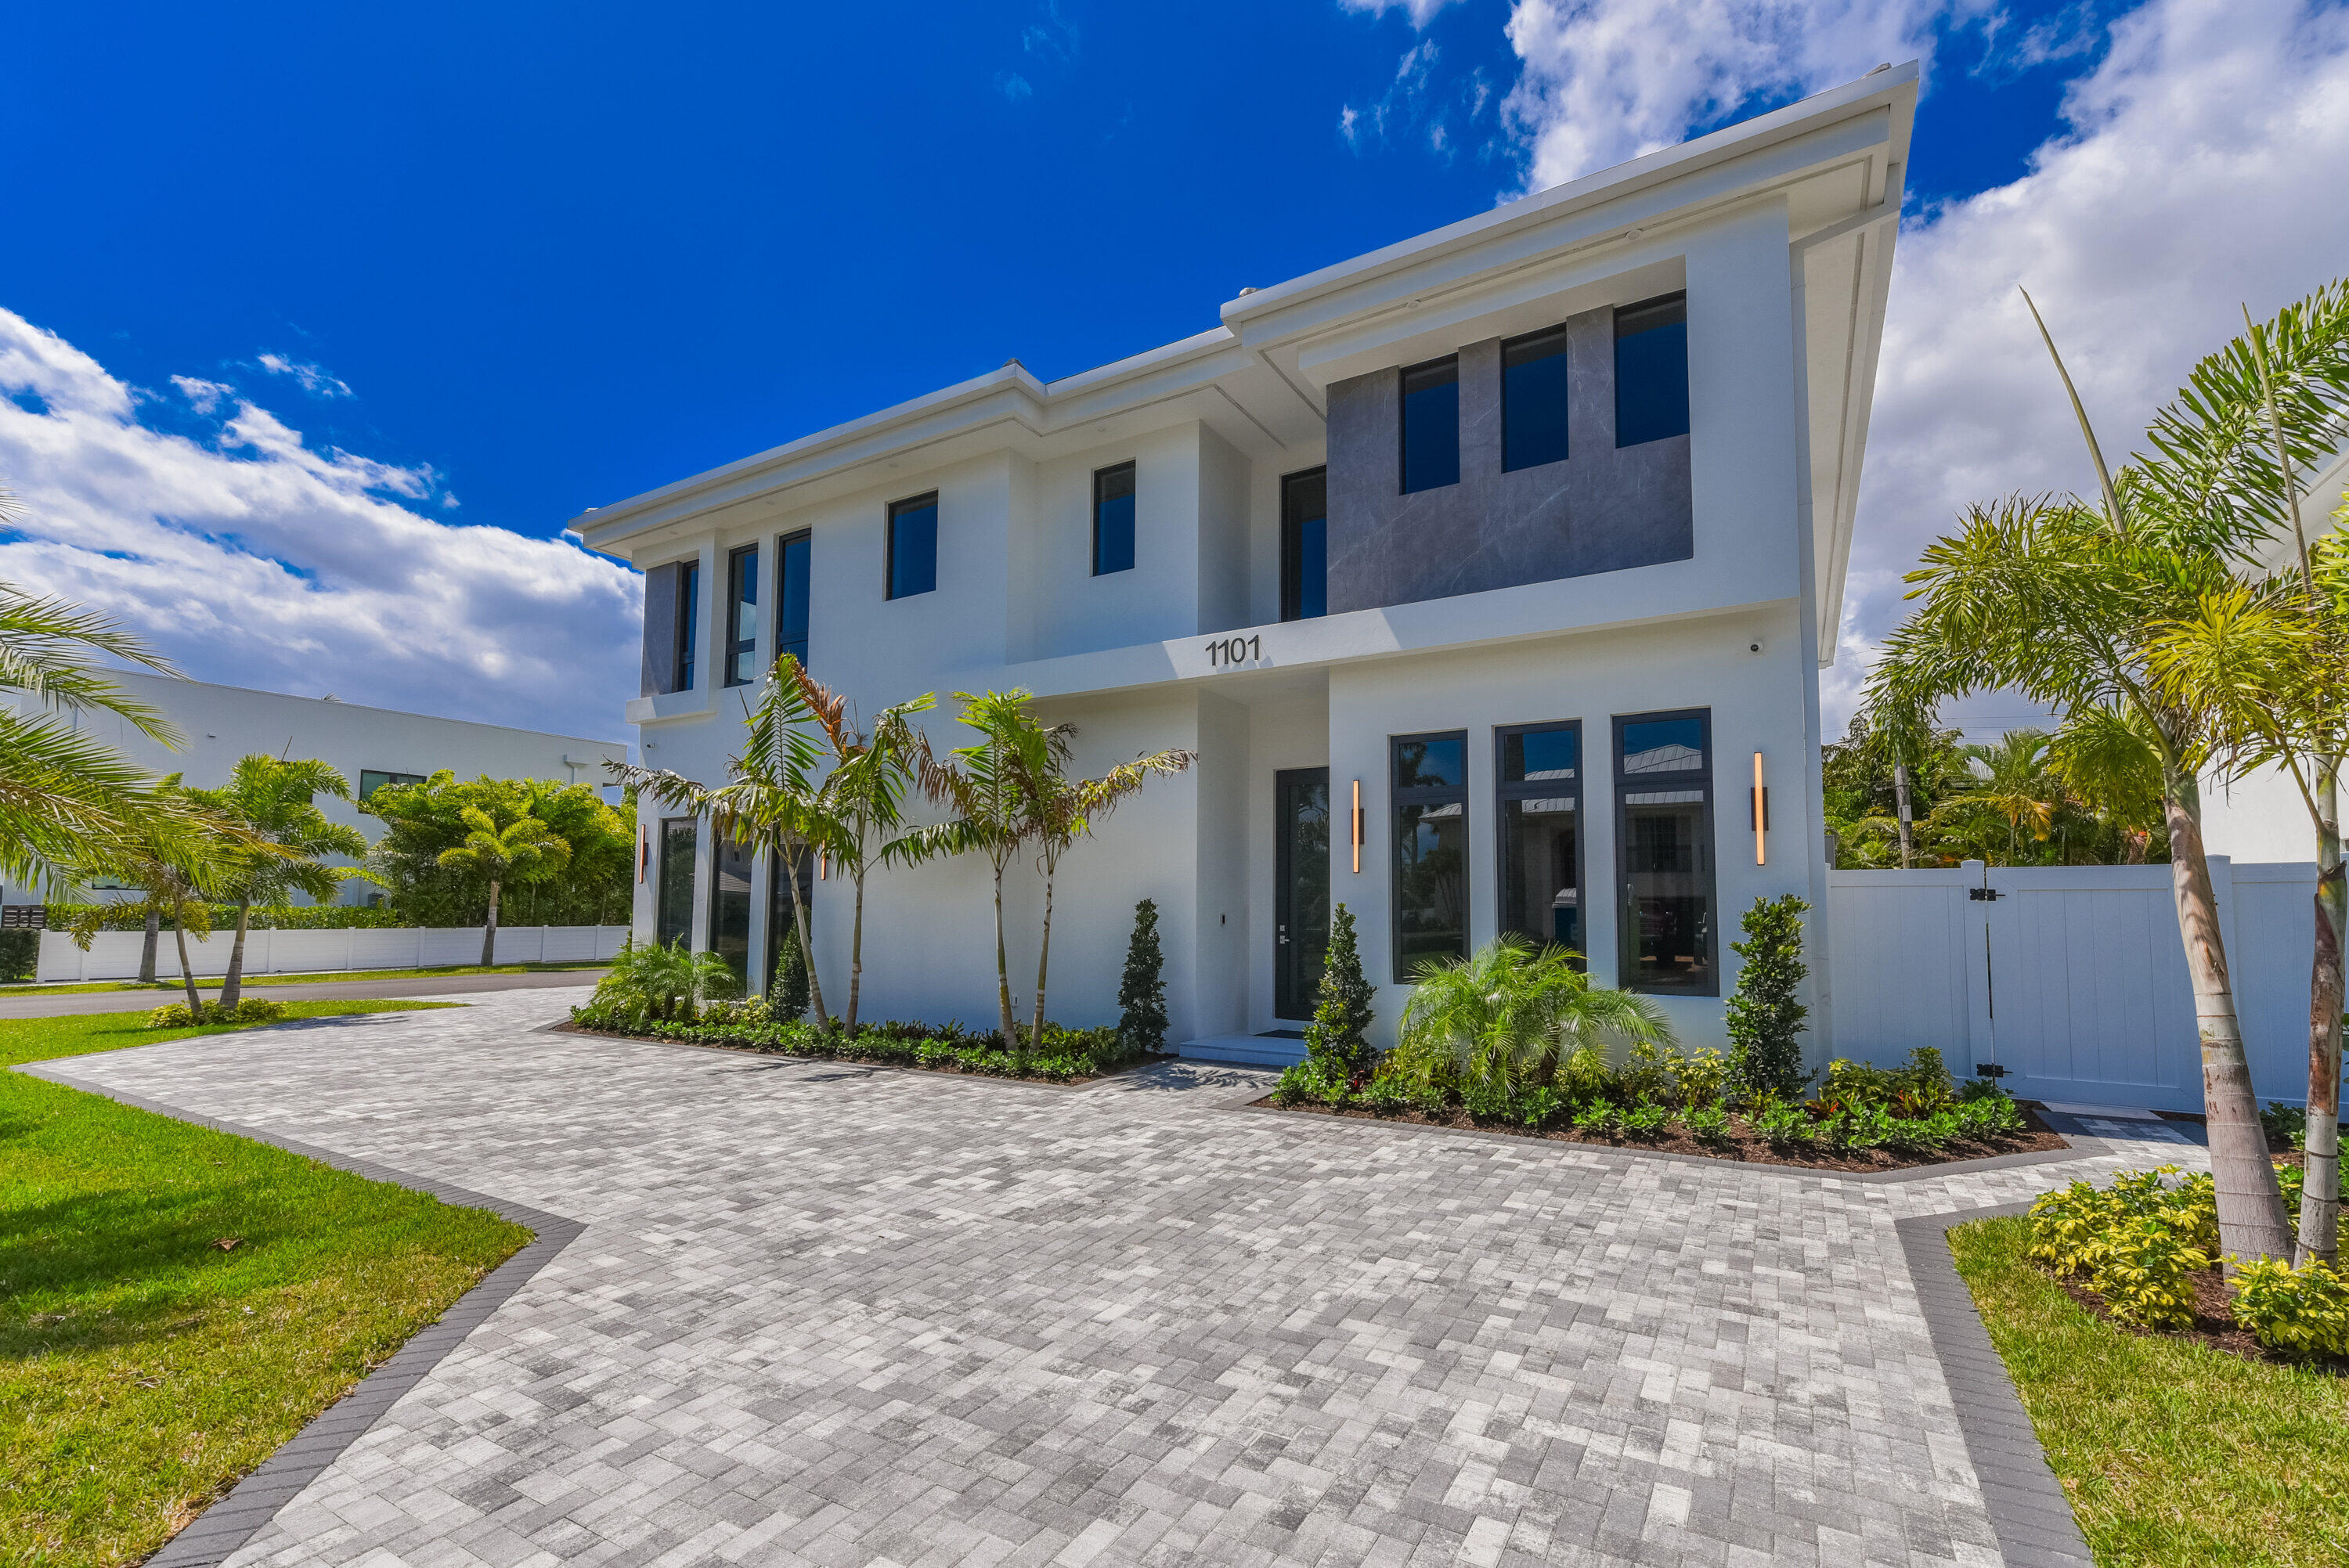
pixel 274 799
pixel 180 862
pixel 658 984
pixel 521 851
pixel 1508 1014
pixel 2012 788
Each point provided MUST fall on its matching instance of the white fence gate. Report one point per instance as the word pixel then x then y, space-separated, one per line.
pixel 114 955
pixel 2071 978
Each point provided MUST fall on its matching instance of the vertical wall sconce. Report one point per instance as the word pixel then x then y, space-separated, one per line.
pixel 822 865
pixel 1760 815
pixel 1358 827
pixel 643 853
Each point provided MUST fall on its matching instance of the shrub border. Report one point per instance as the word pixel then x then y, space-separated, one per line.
pixel 2028 1509
pixel 566 1027
pixel 231 1521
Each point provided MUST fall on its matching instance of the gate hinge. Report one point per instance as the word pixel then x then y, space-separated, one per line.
pixel 1981 895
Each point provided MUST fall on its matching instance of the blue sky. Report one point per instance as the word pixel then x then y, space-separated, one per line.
pixel 498 264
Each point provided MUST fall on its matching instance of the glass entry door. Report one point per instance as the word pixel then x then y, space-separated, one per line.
pixel 1300 900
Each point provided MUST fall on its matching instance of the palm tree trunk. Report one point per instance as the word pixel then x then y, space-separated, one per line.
pixel 855 952
pixel 1043 952
pixel 807 948
pixel 234 984
pixel 188 970
pixel 1004 1020
pixel 2320 1193
pixel 147 952
pixel 1900 796
pixel 490 932
pixel 2251 1206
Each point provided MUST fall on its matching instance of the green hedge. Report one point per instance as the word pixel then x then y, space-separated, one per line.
pixel 282 917
pixel 20 954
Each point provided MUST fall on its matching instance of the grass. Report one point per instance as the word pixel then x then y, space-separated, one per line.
pixel 212 982
pixel 144 1364
pixel 2171 1452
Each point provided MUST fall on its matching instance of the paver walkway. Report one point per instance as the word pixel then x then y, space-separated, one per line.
pixel 74 1003
pixel 834 1315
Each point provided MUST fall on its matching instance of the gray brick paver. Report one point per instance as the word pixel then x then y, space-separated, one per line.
pixel 843 1317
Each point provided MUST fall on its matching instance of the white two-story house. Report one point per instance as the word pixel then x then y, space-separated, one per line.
pixel 1489 574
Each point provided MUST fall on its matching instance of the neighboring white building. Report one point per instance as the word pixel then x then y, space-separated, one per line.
pixel 1522 535
pixel 369 746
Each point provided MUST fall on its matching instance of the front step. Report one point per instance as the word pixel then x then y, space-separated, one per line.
pixel 1246 1050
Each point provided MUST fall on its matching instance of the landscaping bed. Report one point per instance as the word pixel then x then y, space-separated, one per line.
pixel 1738 1142
pixel 1061 1056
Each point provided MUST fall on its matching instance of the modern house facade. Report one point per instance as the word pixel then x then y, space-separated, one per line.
pixel 1489 574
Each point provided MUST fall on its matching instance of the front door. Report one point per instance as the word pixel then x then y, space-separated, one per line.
pixel 1300 898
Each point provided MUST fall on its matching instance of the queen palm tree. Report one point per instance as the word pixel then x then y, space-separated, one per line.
pixel 182 859
pixel 274 800
pixel 2012 788
pixel 521 850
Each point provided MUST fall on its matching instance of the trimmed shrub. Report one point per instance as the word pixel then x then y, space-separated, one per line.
pixel 1766 1021
pixel 2301 1311
pixel 20 955
pixel 1338 1035
pixel 1708 1124
pixel 1141 993
pixel 251 1010
pixel 1647 1118
pixel 2143 1269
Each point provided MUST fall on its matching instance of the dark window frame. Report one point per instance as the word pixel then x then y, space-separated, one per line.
pixel 1678 300
pixel 1292 544
pixel 688 624
pixel 1398 798
pixel 669 837
pixel 1131 497
pixel 1505 789
pixel 1626 784
pixel 384 778
pixel 899 509
pixel 737 646
pixel 784 642
pixel 1402 421
pixel 1563 351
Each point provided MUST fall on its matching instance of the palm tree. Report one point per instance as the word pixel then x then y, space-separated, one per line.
pixel 2103 759
pixel 180 862
pixel 521 851
pixel 655 983
pixel 274 800
pixel 2012 787
pixel 1507 1014
pixel 1060 810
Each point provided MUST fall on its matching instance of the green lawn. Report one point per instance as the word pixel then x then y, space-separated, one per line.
pixel 212 983
pixel 2172 1453
pixel 144 1364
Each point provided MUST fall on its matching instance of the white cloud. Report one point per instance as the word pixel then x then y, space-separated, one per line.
pixel 1013 86
pixel 310 378
pixel 252 560
pixel 2197 168
pixel 1406 101
pixel 1421 12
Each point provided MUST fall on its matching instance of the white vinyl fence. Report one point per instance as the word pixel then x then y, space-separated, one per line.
pixel 114 955
pixel 2071 978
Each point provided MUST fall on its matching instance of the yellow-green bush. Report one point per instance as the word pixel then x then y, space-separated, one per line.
pixel 251 1010
pixel 2075 1230
pixel 2144 1271
pixel 2301 1311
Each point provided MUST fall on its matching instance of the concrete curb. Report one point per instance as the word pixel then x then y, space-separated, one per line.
pixel 225 1526
pixel 2028 1509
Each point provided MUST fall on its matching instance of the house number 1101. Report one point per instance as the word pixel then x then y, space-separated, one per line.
pixel 1234 651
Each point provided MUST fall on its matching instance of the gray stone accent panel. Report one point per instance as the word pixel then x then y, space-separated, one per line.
pixel 1603 510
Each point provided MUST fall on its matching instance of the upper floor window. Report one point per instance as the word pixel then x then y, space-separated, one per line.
pixel 1651 380
pixel 1305 545
pixel 914 546
pixel 1533 400
pixel 371 780
pixel 1113 519
pixel 1667 930
pixel 792 553
pixel 742 616
pixel 1430 425
pixel 689 623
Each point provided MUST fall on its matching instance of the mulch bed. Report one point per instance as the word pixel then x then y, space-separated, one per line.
pixel 1742 1147
pixel 951 1070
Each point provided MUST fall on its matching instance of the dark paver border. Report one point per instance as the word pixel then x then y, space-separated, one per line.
pixel 2029 1511
pixel 235 1519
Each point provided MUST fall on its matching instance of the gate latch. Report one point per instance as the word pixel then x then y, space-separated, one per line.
pixel 1981 895
pixel 1989 1070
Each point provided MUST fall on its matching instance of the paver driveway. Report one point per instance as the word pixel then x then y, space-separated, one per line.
pixel 833 1315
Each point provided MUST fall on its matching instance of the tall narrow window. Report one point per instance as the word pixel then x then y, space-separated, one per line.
pixel 1652 380
pixel 1431 850
pixel 1539 774
pixel 1113 519
pixel 689 623
pixel 1430 425
pixel 673 905
pixel 742 616
pixel 793 553
pixel 914 546
pixel 1533 400
pixel 783 931
pixel 1666 937
pixel 1305 545
pixel 729 907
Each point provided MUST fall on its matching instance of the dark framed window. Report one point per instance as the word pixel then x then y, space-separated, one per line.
pixel 1533 400
pixel 742 616
pixel 689 623
pixel 371 780
pixel 1113 519
pixel 782 931
pixel 794 554
pixel 1537 803
pixel 1668 940
pixel 1305 545
pixel 1430 798
pixel 1651 380
pixel 673 893
pixel 1430 425
pixel 914 546
pixel 729 907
